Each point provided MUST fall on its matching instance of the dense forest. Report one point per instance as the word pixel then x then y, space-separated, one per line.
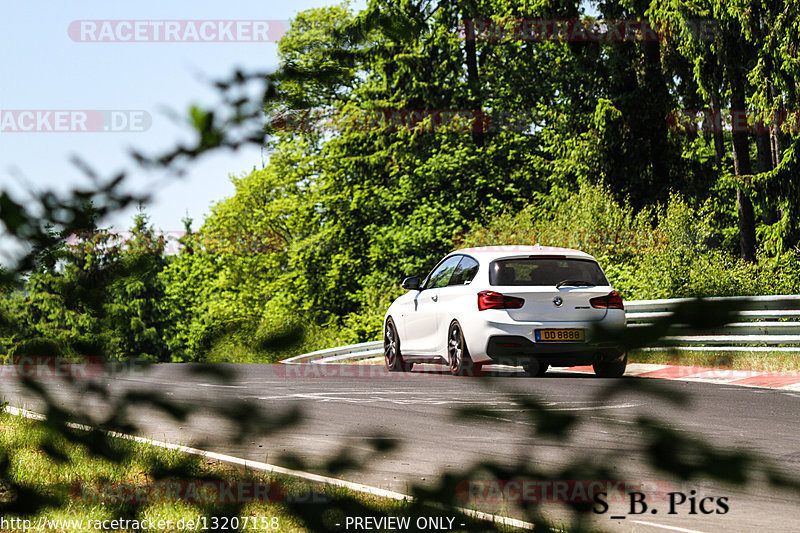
pixel 660 136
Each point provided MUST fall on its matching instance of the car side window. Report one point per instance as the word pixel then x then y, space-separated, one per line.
pixel 441 275
pixel 464 272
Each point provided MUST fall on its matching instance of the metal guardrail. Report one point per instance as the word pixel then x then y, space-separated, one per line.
pixel 765 323
pixel 352 352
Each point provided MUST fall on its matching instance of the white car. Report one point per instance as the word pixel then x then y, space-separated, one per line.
pixel 529 306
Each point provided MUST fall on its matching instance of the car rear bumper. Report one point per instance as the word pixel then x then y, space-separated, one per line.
pixel 489 341
pixel 518 350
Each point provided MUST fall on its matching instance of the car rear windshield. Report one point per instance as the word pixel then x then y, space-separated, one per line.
pixel 543 271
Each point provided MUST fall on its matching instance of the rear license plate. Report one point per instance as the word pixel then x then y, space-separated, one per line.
pixel 559 335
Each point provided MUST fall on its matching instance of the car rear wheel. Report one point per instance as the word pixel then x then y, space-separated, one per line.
pixel 535 369
pixel 611 369
pixel 391 349
pixel 458 358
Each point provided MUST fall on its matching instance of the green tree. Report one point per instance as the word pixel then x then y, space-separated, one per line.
pixel 99 295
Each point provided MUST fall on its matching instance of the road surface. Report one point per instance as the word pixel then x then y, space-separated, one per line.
pixel 343 407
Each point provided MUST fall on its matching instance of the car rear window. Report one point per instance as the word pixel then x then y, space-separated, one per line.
pixel 545 271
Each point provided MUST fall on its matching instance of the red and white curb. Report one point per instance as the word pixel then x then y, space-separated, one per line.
pixel 746 378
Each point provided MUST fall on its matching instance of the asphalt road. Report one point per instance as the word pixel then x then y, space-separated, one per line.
pixel 352 407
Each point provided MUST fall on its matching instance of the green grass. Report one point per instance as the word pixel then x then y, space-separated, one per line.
pixel 75 481
pixel 759 361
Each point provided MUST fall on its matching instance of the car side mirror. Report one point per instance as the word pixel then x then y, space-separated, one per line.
pixel 411 284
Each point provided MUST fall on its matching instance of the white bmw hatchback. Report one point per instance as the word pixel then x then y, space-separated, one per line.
pixel 529 306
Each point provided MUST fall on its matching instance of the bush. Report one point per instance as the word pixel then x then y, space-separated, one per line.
pixel 280 328
pixel 589 219
pixel 663 252
pixel 39 346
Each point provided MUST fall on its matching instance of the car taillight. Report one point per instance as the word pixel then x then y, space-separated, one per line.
pixel 612 301
pixel 495 300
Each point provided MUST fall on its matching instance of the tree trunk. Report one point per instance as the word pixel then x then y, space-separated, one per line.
pixel 763 149
pixel 473 83
pixel 764 161
pixel 741 165
pixel 716 125
pixel 657 86
pixel 774 130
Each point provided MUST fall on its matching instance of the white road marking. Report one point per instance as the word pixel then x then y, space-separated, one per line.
pixel 370 397
pixel 662 526
pixel 613 420
pixel 596 407
pixel 266 467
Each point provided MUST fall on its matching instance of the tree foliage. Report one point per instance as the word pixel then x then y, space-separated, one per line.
pixel 402 131
pixel 578 152
pixel 98 295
